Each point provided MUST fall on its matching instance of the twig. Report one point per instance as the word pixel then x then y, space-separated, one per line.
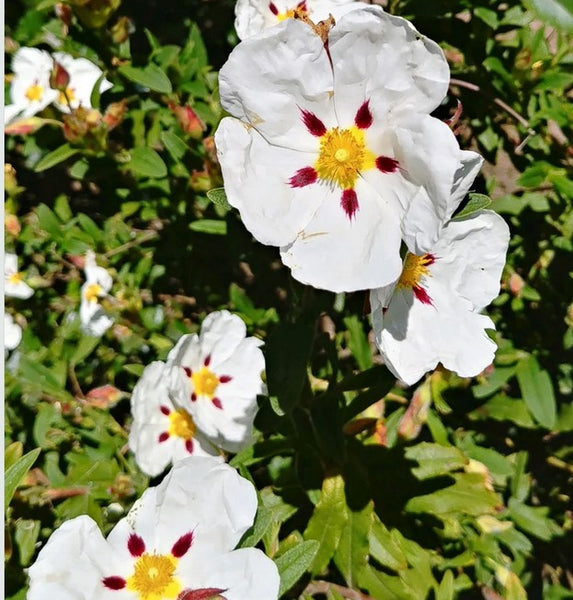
pixel 75 383
pixel 323 587
pixel 145 237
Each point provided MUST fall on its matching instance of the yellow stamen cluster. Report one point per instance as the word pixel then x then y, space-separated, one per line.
pixel 92 292
pixel 181 424
pixel 415 267
pixel 15 278
pixel 153 578
pixel 66 97
pixel 342 155
pixel 205 382
pixel 35 92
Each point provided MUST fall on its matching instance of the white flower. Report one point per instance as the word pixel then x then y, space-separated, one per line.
pixel 252 16
pixel 177 540
pixel 83 77
pixel 14 285
pixel 160 432
pixel 216 377
pixel 333 151
pixel 431 314
pixel 94 320
pixel 12 333
pixel 30 90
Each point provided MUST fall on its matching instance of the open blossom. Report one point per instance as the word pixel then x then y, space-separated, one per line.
pixel 432 314
pixel 333 155
pixel 252 16
pixel 160 432
pixel 216 376
pixel 176 541
pixel 12 332
pixel 93 318
pixel 14 285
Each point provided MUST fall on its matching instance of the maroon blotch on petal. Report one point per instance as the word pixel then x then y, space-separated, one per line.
pixel 363 118
pixel 303 177
pixel 114 582
pixel 225 379
pixel 188 371
pixel 202 594
pixel 135 544
pixel 207 360
pixel 193 397
pixel 314 125
pixel 189 446
pixel 163 437
pixel 302 6
pixel 164 410
pixel 273 8
pixel 421 294
pixel 349 202
pixel 183 544
pixel 217 403
pixel 385 164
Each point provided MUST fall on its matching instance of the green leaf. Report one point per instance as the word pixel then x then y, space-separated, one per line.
pixel 85 347
pixel 210 226
pixel 55 157
pixel 555 12
pixel 534 520
pixel 12 453
pixel 49 222
pixel 384 548
pixel 174 144
pixel 16 473
pixel 358 342
pixel 26 536
pixel 475 203
pixel 537 391
pixel 95 95
pixel 146 162
pixel 327 521
pixel 446 589
pixel 219 198
pixel 435 459
pixel 151 77
pixel 293 563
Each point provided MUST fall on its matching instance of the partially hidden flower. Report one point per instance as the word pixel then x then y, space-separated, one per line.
pixel 331 153
pixel 177 541
pixel 14 284
pixel 93 318
pixel 253 16
pixel 82 78
pixel 432 314
pixel 161 433
pixel 12 333
pixel 215 376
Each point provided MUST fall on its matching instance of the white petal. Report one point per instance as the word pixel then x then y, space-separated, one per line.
pixel 93 318
pixel 268 79
pixel 10 263
pixel 12 332
pixel 11 113
pixel 95 274
pixel 28 60
pixel 256 177
pixel 382 58
pixel 18 290
pixel 470 165
pixel 221 334
pixel 338 253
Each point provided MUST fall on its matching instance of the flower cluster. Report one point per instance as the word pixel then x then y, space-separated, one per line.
pixel 202 399
pixel 176 542
pixel 332 155
pixel 93 318
pixel 41 79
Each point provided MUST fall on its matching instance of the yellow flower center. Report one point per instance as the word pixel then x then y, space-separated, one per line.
pixel 92 292
pixel 415 267
pixel 181 424
pixel 69 95
pixel 289 14
pixel 342 155
pixel 35 92
pixel 205 382
pixel 15 278
pixel 153 578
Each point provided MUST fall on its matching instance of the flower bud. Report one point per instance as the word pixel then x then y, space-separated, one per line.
pixel 60 78
pixel 12 225
pixel 114 114
pixel 188 120
pixel 121 31
pixel 64 13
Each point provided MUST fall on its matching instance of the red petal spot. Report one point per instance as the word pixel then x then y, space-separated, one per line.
pixel 385 164
pixel 422 295
pixel 188 371
pixel 363 118
pixel 349 202
pixel 135 544
pixel 217 403
pixel 429 259
pixel 164 410
pixel 225 379
pixel 189 446
pixel 302 6
pixel 114 582
pixel 273 9
pixel 314 125
pixel 303 177
pixel 183 544
pixel 193 397
pixel 207 360
pixel 163 436
pixel 202 594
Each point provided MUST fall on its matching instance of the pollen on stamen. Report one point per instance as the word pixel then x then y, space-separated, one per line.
pixel 164 410
pixel 363 118
pixel 349 202
pixel 385 164
pixel 114 582
pixel 182 545
pixel 163 437
pixel 135 545
pixel 273 9
pixel 217 403
pixel 314 125
pixel 303 177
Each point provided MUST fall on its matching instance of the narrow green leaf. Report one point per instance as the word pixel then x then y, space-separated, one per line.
pixel 358 342
pixel 134 368
pixel 26 536
pixel 174 144
pixel 537 391
pixel 146 162
pixel 49 222
pixel 55 157
pixel 446 589
pixel 293 563
pixel 151 77
pixel 476 202
pixel 12 453
pixel 95 95
pixel 210 226
pixel 384 548
pixel 219 198
pixel 14 474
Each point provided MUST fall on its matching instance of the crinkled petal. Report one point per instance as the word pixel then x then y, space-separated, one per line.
pixel 26 60
pixel 382 58
pixel 268 79
pixel 257 176
pixel 338 253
